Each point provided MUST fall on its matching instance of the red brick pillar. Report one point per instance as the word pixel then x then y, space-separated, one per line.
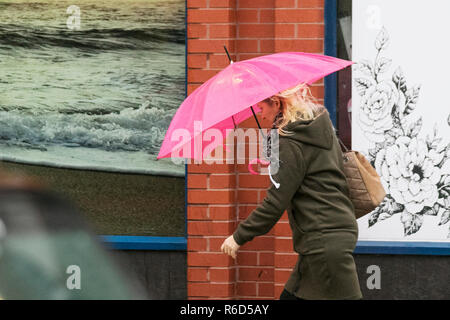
pixel 211 188
pixel 222 195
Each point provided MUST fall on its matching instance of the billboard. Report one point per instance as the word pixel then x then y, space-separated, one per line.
pixel 92 86
pixel 400 117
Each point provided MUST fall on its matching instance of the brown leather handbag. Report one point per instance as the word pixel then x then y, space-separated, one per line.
pixel 366 189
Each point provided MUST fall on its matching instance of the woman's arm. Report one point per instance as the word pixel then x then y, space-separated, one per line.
pixel 290 175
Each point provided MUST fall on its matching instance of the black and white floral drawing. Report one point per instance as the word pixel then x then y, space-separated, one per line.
pixel 410 166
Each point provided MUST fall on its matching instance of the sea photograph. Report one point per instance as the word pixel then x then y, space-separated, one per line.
pixel 87 91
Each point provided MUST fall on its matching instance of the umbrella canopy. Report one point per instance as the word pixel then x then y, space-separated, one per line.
pixel 224 101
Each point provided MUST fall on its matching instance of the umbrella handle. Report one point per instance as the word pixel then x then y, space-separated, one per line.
pixel 256 160
pixel 263 162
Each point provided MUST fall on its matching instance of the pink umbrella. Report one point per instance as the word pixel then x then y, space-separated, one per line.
pixel 230 97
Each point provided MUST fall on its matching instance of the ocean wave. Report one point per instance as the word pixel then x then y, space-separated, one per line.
pixel 96 39
pixel 141 129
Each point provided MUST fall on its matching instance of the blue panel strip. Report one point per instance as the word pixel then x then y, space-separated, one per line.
pixel 403 247
pixel 145 243
pixel 330 81
pixel 362 247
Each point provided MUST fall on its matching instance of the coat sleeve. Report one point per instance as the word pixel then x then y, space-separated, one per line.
pixel 290 175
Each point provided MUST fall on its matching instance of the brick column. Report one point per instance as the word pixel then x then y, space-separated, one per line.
pixel 211 188
pixel 221 195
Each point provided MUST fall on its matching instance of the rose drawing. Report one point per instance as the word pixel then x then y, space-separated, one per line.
pixel 410 165
pixel 376 105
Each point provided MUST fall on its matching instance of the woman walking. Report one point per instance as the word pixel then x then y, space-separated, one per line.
pixel 313 189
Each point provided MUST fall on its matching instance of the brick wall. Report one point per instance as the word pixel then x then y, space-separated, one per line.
pixel 221 195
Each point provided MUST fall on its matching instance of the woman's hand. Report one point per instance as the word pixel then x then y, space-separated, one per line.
pixel 230 247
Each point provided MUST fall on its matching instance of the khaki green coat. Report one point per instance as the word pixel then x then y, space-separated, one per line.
pixel 314 192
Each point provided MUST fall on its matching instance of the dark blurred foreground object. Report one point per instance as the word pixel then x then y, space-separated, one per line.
pixel 47 250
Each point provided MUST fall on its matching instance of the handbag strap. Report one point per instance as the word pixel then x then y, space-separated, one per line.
pixel 342 144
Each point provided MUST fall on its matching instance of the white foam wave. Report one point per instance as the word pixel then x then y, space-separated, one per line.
pixel 140 129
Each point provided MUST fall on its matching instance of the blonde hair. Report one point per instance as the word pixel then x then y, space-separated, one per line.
pixel 296 103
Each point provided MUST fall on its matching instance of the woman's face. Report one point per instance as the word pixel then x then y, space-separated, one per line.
pixel 268 112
